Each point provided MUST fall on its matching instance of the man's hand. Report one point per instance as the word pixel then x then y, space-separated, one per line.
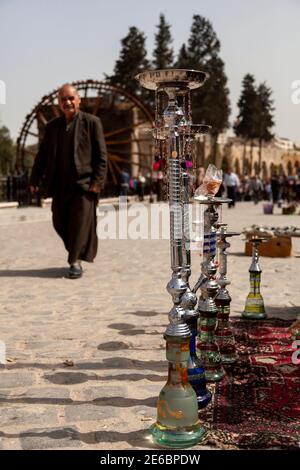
pixel 95 188
pixel 33 189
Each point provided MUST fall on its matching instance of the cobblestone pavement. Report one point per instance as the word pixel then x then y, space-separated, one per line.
pixel 85 358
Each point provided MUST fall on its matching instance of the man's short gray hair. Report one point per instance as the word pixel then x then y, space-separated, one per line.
pixel 67 85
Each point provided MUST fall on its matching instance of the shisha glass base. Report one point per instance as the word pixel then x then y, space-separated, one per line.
pixel 294 329
pixel 215 376
pixel 217 373
pixel 177 422
pixel 223 334
pixel 204 399
pixel 229 358
pixel 196 372
pixel 254 307
pixel 254 315
pixel 226 344
pixel 208 350
pixel 186 437
pixel 197 379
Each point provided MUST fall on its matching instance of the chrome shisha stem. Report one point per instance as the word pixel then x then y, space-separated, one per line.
pixel 189 299
pixel 223 334
pixel 177 286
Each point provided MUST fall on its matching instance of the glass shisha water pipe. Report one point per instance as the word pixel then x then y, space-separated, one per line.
pixel 177 422
pixel 207 346
pixel 196 372
pixel 254 307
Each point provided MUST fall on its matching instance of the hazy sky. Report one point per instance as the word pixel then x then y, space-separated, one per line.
pixel 46 43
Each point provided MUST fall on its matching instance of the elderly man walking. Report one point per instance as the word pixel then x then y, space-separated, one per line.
pixel 70 167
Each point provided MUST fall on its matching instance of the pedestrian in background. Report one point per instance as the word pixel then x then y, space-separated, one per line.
pixel 231 182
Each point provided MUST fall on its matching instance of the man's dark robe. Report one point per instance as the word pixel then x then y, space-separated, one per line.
pixel 70 159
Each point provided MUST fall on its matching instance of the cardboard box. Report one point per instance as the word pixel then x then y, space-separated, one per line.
pixel 276 247
pixel 289 210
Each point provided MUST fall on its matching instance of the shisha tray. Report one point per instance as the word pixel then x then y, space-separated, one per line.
pixel 271 232
pixel 192 130
pixel 173 78
pixel 224 232
pixel 257 239
pixel 212 200
pixel 228 234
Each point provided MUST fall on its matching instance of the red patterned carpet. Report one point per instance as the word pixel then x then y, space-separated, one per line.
pixel 257 405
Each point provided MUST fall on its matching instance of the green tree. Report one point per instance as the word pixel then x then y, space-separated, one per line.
pixel 132 60
pixel 255 119
pixel 163 52
pixel 6 151
pixel 29 156
pixel 203 42
pixel 211 102
pixel 246 123
pixel 183 59
pixel 264 118
pixel 213 105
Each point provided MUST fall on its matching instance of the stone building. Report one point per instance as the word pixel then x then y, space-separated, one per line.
pixel 280 154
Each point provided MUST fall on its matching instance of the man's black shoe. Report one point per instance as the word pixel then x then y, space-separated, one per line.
pixel 75 271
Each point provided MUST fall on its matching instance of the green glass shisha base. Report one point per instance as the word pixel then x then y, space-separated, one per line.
pixel 214 371
pixel 177 438
pixel 254 308
pixel 295 329
pixel 229 359
pixel 254 316
pixel 227 347
pixel 215 375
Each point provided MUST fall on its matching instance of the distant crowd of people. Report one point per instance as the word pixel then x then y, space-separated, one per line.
pixel 277 188
pixel 151 184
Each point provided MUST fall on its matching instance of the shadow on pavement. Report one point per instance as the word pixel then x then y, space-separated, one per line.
pixel 119 402
pixel 288 313
pixel 144 313
pixel 237 253
pixel 119 363
pixel 44 273
pixel 127 329
pixel 69 436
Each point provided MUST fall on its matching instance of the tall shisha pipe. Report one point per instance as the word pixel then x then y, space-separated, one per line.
pixel 208 348
pixel 196 372
pixel 177 410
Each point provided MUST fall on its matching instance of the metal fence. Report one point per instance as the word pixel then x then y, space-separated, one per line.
pixel 14 188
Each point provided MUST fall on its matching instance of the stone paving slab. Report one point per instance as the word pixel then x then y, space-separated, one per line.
pixel 86 357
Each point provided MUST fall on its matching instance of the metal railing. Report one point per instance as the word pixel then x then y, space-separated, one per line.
pixel 14 188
